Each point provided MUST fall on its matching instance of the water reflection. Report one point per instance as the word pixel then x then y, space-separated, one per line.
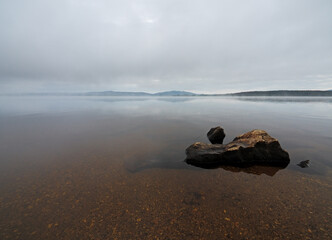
pixel 257 170
pixel 165 126
pixel 286 99
pixel 141 165
pixel 82 168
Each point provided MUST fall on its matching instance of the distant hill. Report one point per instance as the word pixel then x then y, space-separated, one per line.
pixel 175 93
pixel 290 93
pixel 114 93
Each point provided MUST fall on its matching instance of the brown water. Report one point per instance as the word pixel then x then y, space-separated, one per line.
pixel 112 168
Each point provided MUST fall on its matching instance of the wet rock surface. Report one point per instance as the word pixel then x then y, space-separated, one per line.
pixel 216 135
pixel 256 147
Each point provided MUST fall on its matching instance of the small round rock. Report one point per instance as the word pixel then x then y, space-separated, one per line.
pixel 216 135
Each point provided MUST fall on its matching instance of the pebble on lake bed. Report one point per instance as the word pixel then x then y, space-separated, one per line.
pixel 304 164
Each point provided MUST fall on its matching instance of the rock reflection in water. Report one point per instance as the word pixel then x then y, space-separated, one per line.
pixel 144 164
pixel 253 169
pixel 257 170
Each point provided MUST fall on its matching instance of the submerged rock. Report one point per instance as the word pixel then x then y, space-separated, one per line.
pixel 304 164
pixel 216 135
pixel 252 148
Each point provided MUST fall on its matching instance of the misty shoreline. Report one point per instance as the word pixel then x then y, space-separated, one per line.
pixel 276 93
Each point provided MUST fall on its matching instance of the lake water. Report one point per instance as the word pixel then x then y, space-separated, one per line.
pixel 112 168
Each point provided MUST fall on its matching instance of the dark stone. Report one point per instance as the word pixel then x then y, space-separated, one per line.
pixel 304 164
pixel 216 135
pixel 253 148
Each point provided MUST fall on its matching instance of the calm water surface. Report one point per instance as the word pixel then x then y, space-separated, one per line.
pixel 112 168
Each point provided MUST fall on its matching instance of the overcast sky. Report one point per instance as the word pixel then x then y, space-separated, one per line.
pixel 208 46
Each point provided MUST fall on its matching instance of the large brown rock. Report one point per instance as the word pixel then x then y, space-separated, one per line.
pixel 253 148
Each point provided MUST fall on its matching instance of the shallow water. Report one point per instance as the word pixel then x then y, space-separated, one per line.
pixel 112 168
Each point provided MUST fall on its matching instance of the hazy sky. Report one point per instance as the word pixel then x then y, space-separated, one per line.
pixel 212 46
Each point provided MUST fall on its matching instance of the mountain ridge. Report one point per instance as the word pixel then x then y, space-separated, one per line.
pixel 175 93
pixel 166 93
pixel 284 93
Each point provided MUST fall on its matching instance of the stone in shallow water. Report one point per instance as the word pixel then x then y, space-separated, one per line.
pixel 304 164
pixel 216 135
pixel 256 147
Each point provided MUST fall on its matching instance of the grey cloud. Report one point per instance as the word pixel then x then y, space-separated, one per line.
pixel 203 46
